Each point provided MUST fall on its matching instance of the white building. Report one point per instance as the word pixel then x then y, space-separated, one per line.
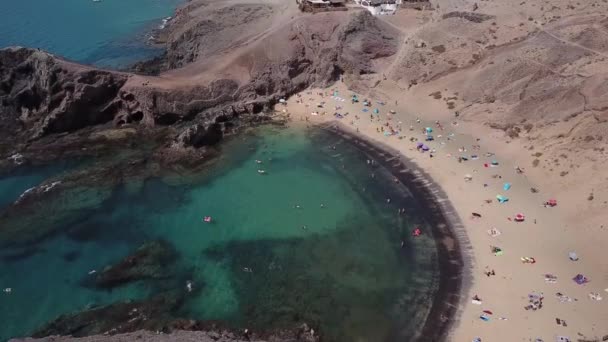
pixel 380 7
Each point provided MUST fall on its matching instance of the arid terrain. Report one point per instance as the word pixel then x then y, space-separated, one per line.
pixel 528 78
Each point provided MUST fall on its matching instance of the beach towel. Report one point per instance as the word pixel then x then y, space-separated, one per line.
pixel 494 232
pixel 506 187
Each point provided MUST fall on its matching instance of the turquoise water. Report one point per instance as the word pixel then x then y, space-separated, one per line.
pixel 109 33
pixel 311 240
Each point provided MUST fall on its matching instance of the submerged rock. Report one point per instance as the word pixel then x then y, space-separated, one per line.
pixel 150 261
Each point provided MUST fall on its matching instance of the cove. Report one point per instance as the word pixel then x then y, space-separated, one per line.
pixel 109 33
pixel 313 239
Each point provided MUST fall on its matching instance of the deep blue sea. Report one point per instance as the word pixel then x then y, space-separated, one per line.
pixel 109 33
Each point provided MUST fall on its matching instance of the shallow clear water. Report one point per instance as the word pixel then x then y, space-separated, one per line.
pixel 338 267
pixel 109 33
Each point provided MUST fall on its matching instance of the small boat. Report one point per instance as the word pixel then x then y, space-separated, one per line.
pixel 262 172
pixel 258 161
pixel 96 0
pixel 207 219
pixel 417 232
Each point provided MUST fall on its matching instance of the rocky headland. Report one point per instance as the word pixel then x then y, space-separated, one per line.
pixel 219 83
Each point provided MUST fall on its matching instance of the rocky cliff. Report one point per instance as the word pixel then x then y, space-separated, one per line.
pixel 42 95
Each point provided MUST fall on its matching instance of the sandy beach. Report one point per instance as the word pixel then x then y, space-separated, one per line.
pixel 534 260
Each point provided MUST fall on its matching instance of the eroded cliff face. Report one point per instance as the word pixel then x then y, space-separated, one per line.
pixel 40 94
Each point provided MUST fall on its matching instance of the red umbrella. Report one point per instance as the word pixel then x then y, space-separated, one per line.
pixel 552 202
pixel 520 217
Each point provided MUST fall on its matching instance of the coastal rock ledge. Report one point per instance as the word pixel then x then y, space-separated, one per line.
pixel 304 334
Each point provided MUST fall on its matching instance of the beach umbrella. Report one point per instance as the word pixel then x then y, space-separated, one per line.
pixel 494 163
pixel 282 101
pixel 520 217
pixel 392 112
pixel 507 186
pixel 468 177
pixel 580 279
pixel 552 202
pixel 572 256
pixel 502 199
pixel 376 111
pixel 419 145
pixel 425 148
pixel 429 130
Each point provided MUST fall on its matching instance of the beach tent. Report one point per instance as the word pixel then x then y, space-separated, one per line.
pixel 580 279
pixel 494 163
pixel 502 199
pixel 506 187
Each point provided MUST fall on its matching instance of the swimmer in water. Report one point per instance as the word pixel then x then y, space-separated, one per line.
pixel 189 286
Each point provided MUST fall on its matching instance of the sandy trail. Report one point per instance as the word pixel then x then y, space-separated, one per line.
pixel 544 235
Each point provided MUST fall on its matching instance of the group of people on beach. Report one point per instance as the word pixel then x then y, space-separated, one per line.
pixel 428 141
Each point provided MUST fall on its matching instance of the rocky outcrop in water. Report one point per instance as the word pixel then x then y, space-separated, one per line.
pixel 150 261
pixel 125 322
pixel 301 334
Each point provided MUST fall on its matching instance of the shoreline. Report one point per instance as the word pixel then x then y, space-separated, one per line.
pixel 448 231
